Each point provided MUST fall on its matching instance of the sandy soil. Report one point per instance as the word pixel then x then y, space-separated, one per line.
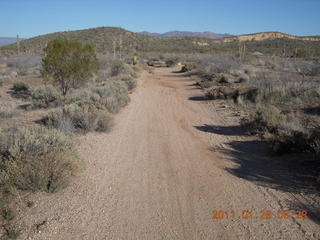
pixel 171 159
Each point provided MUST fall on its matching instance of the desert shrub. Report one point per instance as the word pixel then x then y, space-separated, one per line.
pixel 111 95
pixel 20 90
pixel 87 99
pixel 105 123
pixel 20 87
pixel 208 80
pixel 187 67
pixel 284 141
pixel 61 65
pixel 129 81
pixel 49 172
pixel 301 53
pixel 294 141
pixel 36 159
pixel 46 97
pixel 114 95
pixel 246 94
pixel 314 143
pixel 171 62
pixel 73 118
pixel 22 73
pixel 263 120
pixel 220 93
pixel 306 68
pixel 119 67
pixel 14 142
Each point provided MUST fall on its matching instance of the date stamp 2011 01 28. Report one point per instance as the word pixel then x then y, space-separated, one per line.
pixel 263 214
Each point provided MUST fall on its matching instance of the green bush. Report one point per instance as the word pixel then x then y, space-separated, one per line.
pixel 68 64
pixel 46 97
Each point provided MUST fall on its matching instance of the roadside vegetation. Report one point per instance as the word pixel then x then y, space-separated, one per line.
pixel 280 96
pixel 43 105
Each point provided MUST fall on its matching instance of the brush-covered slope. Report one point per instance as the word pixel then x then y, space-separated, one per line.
pixel 108 39
pixel 105 39
pixel 210 35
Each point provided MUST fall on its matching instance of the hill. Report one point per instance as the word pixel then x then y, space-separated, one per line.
pixel 210 35
pixel 269 35
pixel 108 39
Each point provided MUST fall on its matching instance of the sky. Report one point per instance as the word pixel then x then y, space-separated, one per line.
pixel 30 18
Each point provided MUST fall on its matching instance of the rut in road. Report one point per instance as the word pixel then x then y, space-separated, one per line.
pixel 154 177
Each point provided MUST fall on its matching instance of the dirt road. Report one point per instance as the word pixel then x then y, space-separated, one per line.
pixel 154 177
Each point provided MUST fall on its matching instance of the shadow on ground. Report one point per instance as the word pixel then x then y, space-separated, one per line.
pixel 312 111
pixel 198 98
pixel 222 130
pixel 254 163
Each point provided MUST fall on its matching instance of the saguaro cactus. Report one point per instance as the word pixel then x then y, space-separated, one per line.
pixel 18 44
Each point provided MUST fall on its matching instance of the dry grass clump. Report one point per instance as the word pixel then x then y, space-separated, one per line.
pixel 36 159
pixel 7 111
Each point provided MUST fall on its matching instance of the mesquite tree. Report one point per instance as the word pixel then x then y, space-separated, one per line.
pixel 68 64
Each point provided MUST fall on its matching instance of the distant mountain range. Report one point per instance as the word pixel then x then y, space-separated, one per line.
pixel 7 40
pixel 210 35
